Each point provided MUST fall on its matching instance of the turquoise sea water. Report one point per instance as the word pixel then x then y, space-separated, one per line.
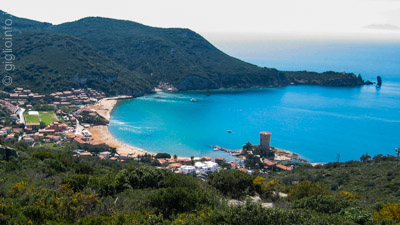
pixel 316 122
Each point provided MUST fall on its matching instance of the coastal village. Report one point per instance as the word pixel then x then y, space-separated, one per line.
pixel 80 117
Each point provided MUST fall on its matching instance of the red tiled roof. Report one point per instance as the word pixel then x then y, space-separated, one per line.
pixel 174 165
pixel 233 164
pixel 280 166
pixel 208 158
pixel 269 163
pixel 85 154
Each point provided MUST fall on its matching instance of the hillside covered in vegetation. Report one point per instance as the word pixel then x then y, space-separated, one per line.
pixel 53 62
pixel 124 57
pixel 48 185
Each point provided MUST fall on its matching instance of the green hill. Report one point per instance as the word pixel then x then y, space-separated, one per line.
pixel 21 24
pixel 180 57
pixel 124 57
pixel 52 62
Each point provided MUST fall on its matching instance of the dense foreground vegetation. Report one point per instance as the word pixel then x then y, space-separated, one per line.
pixel 48 185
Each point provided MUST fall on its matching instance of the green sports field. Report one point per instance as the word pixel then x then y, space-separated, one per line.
pixel 45 116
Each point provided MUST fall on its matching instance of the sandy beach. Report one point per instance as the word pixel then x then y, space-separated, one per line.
pixel 106 105
pixel 101 133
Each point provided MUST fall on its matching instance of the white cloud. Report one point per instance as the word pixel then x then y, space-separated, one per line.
pixel 383 27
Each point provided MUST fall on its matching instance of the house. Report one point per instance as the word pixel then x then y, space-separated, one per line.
pixel 56 126
pixel 54 138
pixel 206 167
pixel 86 133
pixel 269 163
pixel 219 160
pixel 47 131
pixel 28 140
pixel 7 129
pixel 282 167
pixel 33 126
pixel 246 170
pixel 85 154
pixel 17 130
pixel 243 170
pixel 234 165
pixel 206 158
pixel 187 169
pixel 105 155
pixel 174 165
pixel 10 136
pixel 70 135
pixel 14 116
pixel 37 136
pixel 161 161
pixel 184 160
pixel 81 143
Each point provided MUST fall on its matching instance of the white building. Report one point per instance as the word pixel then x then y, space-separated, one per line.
pixel 86 133
pixel 187 169
pixel 206 167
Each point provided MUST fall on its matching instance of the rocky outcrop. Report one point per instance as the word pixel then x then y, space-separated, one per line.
pixel 325 79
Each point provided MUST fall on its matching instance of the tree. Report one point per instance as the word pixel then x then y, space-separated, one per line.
pixel 42 125
pixel 171 201
pixel 306 189
pixel 365 157
pixel 232 183
pixel 163 156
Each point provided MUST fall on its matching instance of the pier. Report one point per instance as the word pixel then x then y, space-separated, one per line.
pixel 230 151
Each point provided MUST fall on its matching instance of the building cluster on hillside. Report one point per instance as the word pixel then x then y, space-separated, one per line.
pixel 9 106
pixel 21 96
pixel 56 132
pixel 66 98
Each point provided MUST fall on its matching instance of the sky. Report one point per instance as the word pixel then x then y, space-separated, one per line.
pixel 338 18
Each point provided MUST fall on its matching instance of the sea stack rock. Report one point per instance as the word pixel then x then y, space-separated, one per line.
pixel 379 81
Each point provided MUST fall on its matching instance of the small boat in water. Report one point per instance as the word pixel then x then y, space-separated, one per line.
pixel 229 131
pixel 193 100
pixel 215 149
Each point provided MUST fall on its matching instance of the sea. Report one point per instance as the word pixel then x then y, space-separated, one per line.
pixel 321 124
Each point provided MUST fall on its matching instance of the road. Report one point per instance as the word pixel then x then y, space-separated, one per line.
pixel 78 128
pixel 21 115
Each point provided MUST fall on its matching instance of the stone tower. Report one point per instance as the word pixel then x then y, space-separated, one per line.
pixel 265 140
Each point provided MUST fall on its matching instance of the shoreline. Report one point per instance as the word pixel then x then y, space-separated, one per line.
pixel 101 133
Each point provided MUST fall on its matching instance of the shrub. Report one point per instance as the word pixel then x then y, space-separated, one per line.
pixel 322 204
pixel 171 201
pixel 42 155
pixel 389 211
pixel 306 189
pixel 232 183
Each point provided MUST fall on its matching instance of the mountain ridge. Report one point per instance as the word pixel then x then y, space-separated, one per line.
pixel 150 56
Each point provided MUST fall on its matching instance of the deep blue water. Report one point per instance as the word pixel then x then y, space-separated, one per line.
pixel 316 122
